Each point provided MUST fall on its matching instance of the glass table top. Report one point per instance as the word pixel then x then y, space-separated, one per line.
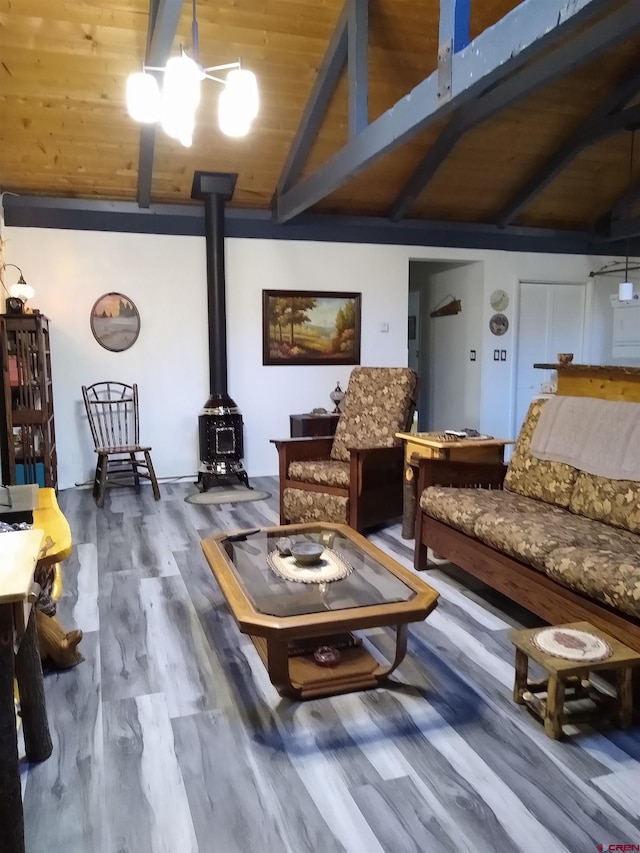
pixel 370 582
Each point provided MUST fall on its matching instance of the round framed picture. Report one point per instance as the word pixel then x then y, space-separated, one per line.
pixel 498 324
pixel 115 322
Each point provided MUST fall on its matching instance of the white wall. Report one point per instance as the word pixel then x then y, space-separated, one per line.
pixel 602 342
pixel 165 277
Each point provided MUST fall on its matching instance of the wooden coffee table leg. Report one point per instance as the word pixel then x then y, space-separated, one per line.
pixel 401 650
pixel 625 696
pixel 555 707
pixel 278 668
pixel 522 674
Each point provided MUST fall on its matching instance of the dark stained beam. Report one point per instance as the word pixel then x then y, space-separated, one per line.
pixel 188 219
pixel 601 228
pixel 583 47
pixel 607 118
pixel 622 229
pixel 358 66
pixel 314 112
pixel 521 36
pixel 163 23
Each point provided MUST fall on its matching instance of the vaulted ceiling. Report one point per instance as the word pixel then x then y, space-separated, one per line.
pixel 523 125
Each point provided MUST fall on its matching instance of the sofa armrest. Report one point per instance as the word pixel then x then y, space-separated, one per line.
pixel 460 473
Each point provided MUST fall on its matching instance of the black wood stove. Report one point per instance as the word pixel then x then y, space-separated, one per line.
pixel 220 426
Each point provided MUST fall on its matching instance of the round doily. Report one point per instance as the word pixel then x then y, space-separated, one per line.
pixel 571 644
pixel 331 567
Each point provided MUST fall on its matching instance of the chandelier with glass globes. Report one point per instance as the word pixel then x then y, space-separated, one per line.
pixel 174 100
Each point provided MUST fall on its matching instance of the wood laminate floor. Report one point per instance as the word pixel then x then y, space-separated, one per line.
pixel 169 737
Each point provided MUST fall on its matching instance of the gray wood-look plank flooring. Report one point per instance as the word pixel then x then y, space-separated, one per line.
pixel 169 737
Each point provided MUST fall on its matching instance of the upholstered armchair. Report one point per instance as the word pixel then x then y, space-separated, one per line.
pixel 354 477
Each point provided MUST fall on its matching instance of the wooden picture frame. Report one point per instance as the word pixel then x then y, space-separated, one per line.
pixel 115 321
pixel 310 327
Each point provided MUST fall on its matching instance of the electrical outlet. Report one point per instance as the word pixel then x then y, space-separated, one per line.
pixel 503 355
pixel 472 355
pixel 496 355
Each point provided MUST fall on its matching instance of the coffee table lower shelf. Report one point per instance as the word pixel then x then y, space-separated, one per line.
pixel 298 676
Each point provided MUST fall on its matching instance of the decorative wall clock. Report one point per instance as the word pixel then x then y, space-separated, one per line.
pixel 498 324
pixel 115 322
pixel 499 300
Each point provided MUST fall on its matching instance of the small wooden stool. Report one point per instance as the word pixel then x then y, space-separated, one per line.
pixel 568 682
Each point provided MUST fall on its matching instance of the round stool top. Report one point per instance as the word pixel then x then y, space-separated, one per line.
pixel 571 644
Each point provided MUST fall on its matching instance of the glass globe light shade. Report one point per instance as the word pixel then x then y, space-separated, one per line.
pixel 178 123
pixel 243 87
pixel 143 97
pixel 625 291
pixel 181 85
pixel 22 290
pixel 232 121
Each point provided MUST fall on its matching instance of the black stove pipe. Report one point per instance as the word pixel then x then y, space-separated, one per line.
pixel 214 232
pixel 214 189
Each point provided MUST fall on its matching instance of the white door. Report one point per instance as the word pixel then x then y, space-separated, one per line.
pixel 551 319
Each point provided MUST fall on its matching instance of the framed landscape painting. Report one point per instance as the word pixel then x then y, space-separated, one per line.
pixel 115 322
pixel 310 327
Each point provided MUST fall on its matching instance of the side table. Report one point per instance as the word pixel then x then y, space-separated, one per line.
pixel 433 445
pixel 19 658
pixel 567 682
pixel 306 426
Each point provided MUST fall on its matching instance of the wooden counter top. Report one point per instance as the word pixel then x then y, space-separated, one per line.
pixel 603 381
pixel 595 369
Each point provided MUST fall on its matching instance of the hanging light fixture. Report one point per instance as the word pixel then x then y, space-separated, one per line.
pixel 174 104
pixel 625 288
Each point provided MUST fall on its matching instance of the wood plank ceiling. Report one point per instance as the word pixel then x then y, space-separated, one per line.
pixel 65 132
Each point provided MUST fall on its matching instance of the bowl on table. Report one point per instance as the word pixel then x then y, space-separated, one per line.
pixel 565 357
pixel 306 553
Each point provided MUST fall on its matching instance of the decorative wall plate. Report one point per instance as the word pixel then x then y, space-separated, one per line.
pixel 498 324
pixel 499 300
pixel 115 322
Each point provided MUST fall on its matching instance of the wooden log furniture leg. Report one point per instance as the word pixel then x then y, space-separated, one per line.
pixel 11 817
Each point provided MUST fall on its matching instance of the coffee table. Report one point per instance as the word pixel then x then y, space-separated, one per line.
pixel 288 621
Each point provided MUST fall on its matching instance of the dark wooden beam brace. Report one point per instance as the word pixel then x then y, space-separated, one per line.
pixel 601 228
pixel 607 118
pixel 521 36
pixel 323 88
pixel 358 66
pixel 163 23
pixel 620 229
pixel 26 211
pixel 584 46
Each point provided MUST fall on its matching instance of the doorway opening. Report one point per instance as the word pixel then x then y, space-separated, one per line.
pixel 446 350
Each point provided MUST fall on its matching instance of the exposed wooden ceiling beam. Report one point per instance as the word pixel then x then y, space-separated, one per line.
pixel 358 66
pixel 607 118
pixel 323 88
pixel 521 36
pixel 602 226
pixel 585 46
pixel 163 23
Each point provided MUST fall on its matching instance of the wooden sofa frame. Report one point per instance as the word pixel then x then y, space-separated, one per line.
pixel 375 479
pixel 528 587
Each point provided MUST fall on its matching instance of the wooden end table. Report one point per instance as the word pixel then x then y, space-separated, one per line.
pixel 567 681
pixel 432 445
pixel 287 621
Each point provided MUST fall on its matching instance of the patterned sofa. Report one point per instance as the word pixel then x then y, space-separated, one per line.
pixel 561 542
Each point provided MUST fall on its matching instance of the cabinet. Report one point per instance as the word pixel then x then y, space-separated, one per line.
pixel 306 426
pixel 27 428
